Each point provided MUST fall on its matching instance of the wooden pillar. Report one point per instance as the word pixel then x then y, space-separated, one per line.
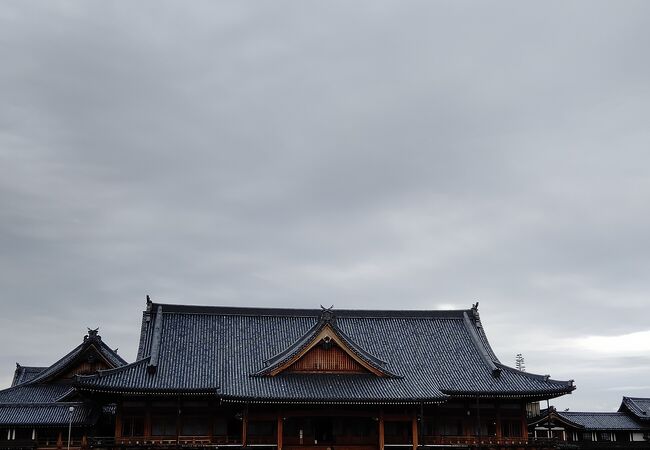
pixel 524 422
pixel 244 428
pixel 381 429
pixel 147 420
pixel 210 413
pixel 118 421
pixel 59 440
pixel 178 420
pixel 414 432
pixel 499 434
pixel 280 423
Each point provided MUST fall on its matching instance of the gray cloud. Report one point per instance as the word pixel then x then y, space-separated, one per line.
pixel 377 155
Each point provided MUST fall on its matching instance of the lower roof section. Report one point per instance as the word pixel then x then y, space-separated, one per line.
pixel 47 414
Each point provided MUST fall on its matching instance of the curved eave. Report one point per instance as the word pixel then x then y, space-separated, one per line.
pixel 530 395
pixel 343 401
pixel 138 392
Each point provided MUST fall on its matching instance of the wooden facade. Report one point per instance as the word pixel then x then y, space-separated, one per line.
pixel 331 359
pixel 178 423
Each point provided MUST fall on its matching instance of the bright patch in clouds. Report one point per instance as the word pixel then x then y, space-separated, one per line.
pixel 624 345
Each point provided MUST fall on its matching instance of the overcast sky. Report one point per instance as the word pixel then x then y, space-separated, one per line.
pixel 363 154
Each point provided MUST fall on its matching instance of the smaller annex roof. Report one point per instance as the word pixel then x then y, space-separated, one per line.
pixel 638 406
pixel 92 339
pixel 47 414
pixel 25 373
pixel 588 420
pixel 600 420
pixel 239 354
pixel 38 398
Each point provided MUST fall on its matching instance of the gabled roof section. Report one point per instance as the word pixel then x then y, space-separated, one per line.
pixel 325 332
pixel 91 342
pixel 24 374
pixel 40 384
pixel 638 406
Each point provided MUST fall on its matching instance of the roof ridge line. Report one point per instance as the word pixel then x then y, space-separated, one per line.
pixel 305 312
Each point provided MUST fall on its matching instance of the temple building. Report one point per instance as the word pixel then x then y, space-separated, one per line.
pixel 42 408
pixel 319 379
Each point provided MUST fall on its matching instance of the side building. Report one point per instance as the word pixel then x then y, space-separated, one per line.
pixel 323 379
pixel 42 408
pixel 629 428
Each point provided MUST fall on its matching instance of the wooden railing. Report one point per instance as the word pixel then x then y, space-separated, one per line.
pixel 165 441
pixel 474 440
pixel 75 444
pixel 308 441
pixel 224 441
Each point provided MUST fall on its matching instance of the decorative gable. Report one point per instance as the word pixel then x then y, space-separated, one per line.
pixel 326 358
pixel 88 357
pixel 91 361
pixel 325 349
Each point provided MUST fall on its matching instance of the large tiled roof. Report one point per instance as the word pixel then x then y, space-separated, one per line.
pixel 47 414
pixel 24 374
pixel 600 420
pixel 218 350
pixel 638 406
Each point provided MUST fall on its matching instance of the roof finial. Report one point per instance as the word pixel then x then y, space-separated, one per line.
pixel 327 315
pixel 149 303
pixel 477 317
pixel 92 334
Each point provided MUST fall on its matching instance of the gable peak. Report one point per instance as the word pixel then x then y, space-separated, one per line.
pixel 327 315
pixel 93 335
